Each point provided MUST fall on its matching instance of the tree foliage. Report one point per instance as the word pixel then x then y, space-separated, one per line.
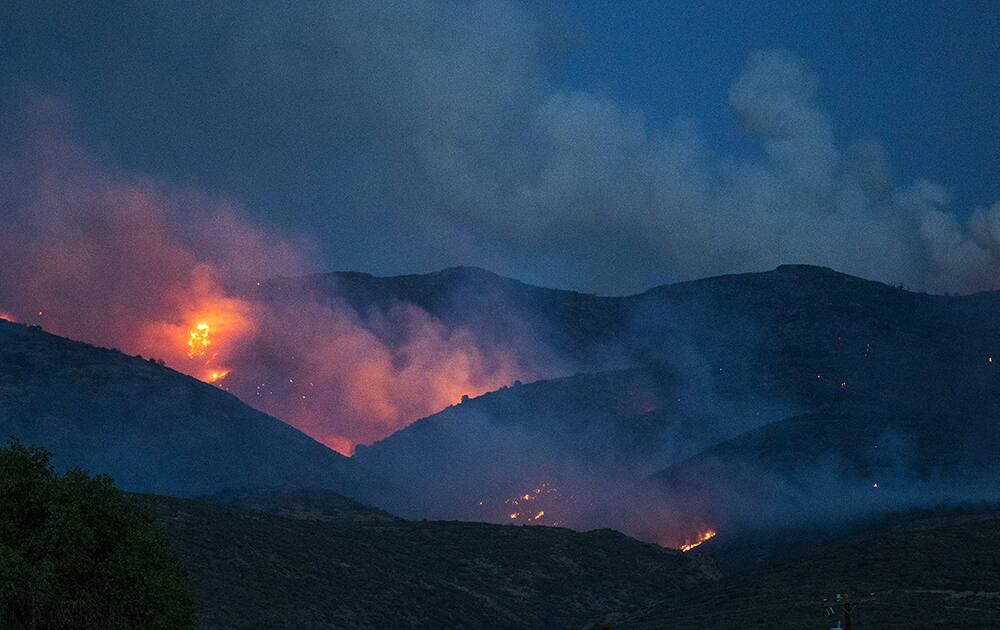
pixel 76 552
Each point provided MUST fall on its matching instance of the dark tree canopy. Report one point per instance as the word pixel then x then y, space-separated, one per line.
pixel 76 552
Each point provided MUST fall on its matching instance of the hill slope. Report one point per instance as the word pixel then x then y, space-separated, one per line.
pixel 260 568
pixel 939 572
pixel 713 360
pixel 152 429
pixel 497 309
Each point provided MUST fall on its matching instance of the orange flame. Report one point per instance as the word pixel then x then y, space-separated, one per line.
pixel 216 375
pixel 199 339
pixel 544 493
pixel 706 535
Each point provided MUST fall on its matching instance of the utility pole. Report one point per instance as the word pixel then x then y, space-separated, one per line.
pixel 841 607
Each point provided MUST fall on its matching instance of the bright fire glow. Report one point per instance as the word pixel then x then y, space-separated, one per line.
pixel 690 544
pixel 216 375
pixel 199 339
pixel 7 316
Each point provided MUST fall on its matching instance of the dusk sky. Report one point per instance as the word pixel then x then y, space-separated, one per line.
pixel 602 147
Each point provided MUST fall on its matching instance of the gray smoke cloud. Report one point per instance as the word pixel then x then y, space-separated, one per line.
pixel 478 143
pixel 431 132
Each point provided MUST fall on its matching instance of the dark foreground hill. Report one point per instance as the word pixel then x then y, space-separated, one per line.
pixel 149 427
pixel 941 572
pixel 259 564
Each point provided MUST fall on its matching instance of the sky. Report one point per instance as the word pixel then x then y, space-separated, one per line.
pixel 603 147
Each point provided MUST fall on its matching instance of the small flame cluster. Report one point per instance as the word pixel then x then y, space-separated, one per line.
pixel 699 539
pixel 199 339
pixel 526 508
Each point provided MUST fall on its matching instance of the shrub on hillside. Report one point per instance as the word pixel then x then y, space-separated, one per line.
pixel 76 552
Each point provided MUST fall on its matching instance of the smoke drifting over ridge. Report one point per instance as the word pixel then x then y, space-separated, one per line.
pixel 431 132
pixel 603 175
pixel 441 129
pixel 126 261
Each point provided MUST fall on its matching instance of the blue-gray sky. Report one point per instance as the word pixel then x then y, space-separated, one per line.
pixel 597 146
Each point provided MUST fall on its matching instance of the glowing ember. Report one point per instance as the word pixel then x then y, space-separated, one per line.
pixel 199 339
pixel 542 495
pixel 216 375
pixel 7 316
pixel 689 544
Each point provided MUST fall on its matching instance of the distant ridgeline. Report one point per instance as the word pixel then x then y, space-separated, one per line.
pixel 708 405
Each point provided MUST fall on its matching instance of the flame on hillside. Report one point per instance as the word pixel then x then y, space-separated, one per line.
pixel 700 538
pixel 216 375
pixel 199 339
pixel 534 505
pixel 187 292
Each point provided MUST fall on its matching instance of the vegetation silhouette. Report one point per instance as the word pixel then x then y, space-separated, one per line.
pixel 76 552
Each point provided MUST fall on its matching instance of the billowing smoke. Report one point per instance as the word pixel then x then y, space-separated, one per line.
pixel 338 378
pixel 413 136
pixel 605 181
pixel 430 133
pixel 126 261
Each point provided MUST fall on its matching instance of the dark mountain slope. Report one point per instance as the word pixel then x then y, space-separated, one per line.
pixel 256 569
pixel 841 463
pixel 302 503
pixel 804 333
pixel 585 437
pixel 939 572
pixel 713 359
pixel 152 429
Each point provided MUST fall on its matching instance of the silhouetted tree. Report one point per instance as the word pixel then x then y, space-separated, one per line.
pixel 76 552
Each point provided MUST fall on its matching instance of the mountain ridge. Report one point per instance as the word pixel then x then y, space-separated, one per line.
pixel 150 427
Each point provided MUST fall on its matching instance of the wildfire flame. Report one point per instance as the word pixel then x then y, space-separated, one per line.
pixel 199 339
pixel 200 345
pixel 7 316
pixel 216 375
pixel 518 507
pixel 706 535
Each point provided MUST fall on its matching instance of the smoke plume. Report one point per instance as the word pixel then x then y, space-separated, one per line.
pixel 126 261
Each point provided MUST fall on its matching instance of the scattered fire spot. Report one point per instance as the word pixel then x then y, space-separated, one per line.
pixel 544 495
pixel 216 375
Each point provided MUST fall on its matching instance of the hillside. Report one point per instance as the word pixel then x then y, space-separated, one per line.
pixel 573 442
pixel 152 429
pixel 938 572
pixel 255 568
pixel 498 309
pixel 851 459
pixel 816 365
